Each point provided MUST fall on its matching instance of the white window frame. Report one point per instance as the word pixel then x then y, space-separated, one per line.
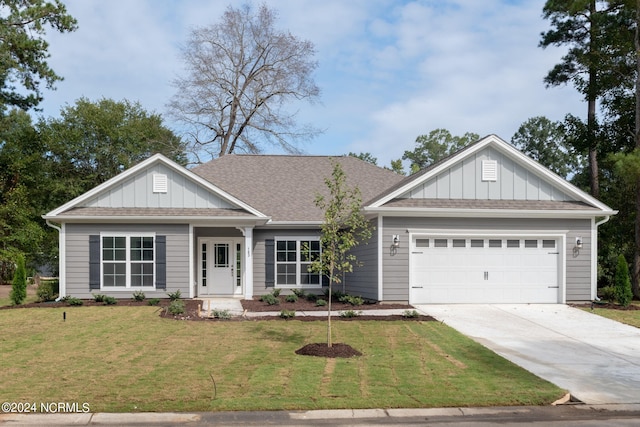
pixel 128 261
pixel 298 263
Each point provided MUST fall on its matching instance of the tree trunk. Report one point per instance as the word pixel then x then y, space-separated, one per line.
pixel 329 341
pixel 591 106
pixel 635 277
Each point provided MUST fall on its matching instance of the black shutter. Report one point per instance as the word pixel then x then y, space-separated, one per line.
pixel 94 262
pixel 269 263
pixel 161 262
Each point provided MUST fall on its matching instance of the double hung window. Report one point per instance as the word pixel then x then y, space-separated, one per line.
pixel 293 258
pixel 128 261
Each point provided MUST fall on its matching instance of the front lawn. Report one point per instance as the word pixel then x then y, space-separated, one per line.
pixel 630 316
pixel 120 359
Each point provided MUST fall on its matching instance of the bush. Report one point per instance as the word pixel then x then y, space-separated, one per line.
pixel 608 293
pixel 291 298
pixel 288 314
pixel 622 282
pixel 19 286
pixel 109 301
pixel 311 297
pixel 348 299
pixel 138 296
pixel 222 314
pixel 73 301
pixel 173 296
pixel 269 299
pixel 350 313
pixel 154 301
pixel 46 291
pixel 98 297
pixel 320 302
pixel 275 293
pixel 176 307
pixel 300 293
pixel 410 314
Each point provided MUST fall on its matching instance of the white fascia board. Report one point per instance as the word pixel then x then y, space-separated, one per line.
pixel 156 158
pixel 487 213
pixel 157 219
pixel 293 224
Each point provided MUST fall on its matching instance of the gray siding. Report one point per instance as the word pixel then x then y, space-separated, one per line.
pixel 464 181
pixel 137 192
pixel 396 265
pixel 364 279
pixel 77 257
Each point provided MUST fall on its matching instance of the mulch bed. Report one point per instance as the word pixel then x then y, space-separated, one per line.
pixel 302 304
pixel 323 350
pixel 608 306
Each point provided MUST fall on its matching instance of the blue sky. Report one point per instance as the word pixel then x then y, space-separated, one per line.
pixel 388 70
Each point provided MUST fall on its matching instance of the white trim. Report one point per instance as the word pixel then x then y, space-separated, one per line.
pixel 297 239
pixel 486 213
pixel 157 158
pixel 559 235
pixel 128 287
pixel 248 263
pixel 510 151
pixel 192 280
pixel 380 257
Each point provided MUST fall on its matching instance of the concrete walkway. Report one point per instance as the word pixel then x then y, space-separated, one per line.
pixel 596 359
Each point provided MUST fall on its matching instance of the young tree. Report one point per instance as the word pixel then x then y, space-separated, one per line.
pixel 240 75
pixel 435 146
pixel 23 51
pixel 343 228
pixel 622 283
pixel 19 286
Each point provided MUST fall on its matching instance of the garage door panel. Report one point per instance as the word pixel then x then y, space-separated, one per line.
pixel 488 270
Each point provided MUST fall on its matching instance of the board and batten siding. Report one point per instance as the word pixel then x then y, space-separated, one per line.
pixel 464 181
pixel 77 257
pixel 137 192
pixel 395 266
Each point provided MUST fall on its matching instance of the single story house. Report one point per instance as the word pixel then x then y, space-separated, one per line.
pixel 485 225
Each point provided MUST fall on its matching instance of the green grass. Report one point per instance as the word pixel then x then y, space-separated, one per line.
pixel 630 317
pixel 129 359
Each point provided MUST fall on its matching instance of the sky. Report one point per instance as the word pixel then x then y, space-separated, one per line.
pixel 388 70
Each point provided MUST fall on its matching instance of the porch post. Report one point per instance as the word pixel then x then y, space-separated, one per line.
pixel 248 262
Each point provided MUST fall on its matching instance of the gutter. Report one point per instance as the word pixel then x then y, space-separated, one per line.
pixel 61 285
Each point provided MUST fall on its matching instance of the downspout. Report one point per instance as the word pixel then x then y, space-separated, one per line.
pixel 61 284
pixel 599 223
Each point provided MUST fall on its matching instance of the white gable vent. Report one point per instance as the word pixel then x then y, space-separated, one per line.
pixel 489 170
pixel 160 183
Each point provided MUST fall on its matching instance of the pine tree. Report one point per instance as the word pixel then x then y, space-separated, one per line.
pixel 622 283
pixel 19 286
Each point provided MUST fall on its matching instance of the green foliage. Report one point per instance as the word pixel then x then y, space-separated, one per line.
pixel 622 283
pixel 153 301
pixel 350 313
pixel 300 293
pixel 276 292
pixel 435 146
pixel 291 298
pixel 98 297
pixel 47 291
pixel 397 167
pixel 139 296
pixel 311 297
pixel 19 286
pixel 287 314
pixel 320 302
pixel 410 314
pixel 174 295
pixel 353 300
pixel 222 314
pixel 270 299
pixel 109 300
pixel 608 293
pixel 176 307
pixel 367 157
pixel 73 301
pixel 24 49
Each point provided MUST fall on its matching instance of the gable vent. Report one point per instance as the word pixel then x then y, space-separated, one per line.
pixel 160 183
pixel 489 170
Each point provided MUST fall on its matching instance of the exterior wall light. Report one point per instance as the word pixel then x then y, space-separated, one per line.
pixel 579 242
pixel 396 241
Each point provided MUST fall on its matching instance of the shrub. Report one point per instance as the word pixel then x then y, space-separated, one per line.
pixel 348 299
pixel 350 313
pixel 608 293
pixel 269 299
pixel 73 301
pixel 275 293
pixel 292 298
pixel 410 314
pixel 173 296
pixel 176 307
pixel 288 314
pixel 98 297
pixel 320 302
pixel 109 301
pixel 311 297
pixel 222 314
pixel 19 285
pixel 335 295
pixel 138 296
pixel 622 282
pixel 300 293
pixel 45 291
pixel 154 301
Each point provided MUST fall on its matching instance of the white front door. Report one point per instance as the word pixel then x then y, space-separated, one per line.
pixel 217 267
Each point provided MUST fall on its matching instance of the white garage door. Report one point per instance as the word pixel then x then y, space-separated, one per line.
pixel 450 270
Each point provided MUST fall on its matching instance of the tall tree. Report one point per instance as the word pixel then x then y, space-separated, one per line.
pixel 241 73
pixel 545 141
pixel 435 146
pixel 23 50
pixel 343 228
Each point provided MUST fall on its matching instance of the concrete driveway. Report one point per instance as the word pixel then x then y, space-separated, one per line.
pixel 596 359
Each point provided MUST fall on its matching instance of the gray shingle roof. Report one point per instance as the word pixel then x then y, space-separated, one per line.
pixel 285 187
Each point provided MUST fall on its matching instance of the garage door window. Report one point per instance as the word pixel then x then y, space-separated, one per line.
pixel 440 243
pixel 422 243
pixel 530 243
pixel 494 243
pixel 513 243
pixel 549 244
pixel 477 243
pixel 459 243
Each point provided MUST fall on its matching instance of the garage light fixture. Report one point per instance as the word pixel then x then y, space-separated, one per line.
pixel 396 241
pixel 579 242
